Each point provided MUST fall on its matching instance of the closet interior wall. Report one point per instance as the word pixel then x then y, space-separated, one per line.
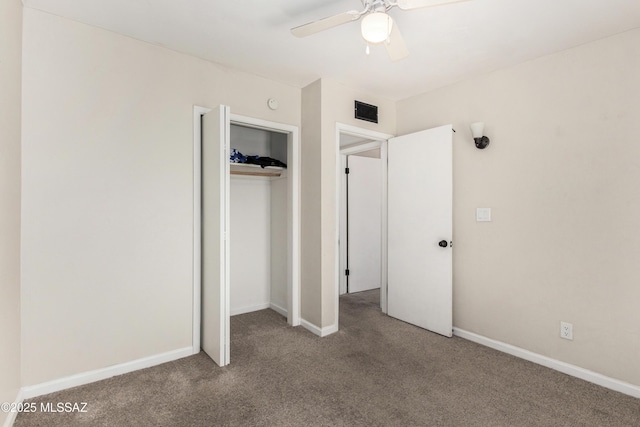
pixel 258 227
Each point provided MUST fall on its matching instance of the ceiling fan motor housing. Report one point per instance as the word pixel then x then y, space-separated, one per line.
pixel 378 5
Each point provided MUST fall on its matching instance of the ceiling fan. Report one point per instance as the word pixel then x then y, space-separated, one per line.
pixel 377 26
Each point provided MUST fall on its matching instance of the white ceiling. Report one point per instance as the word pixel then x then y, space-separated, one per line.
pixel 446 43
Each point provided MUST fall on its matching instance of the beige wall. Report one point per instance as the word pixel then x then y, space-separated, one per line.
pixel 325 103
pixel 561 175
pixel 107 191
pixel 10 107
pixel 311 205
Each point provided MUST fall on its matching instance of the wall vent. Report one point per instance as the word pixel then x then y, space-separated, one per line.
pixel 366 112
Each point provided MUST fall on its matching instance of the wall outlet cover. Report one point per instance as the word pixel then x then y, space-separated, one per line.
pixel 566 330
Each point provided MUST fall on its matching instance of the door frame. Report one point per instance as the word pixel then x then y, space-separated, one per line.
pixel 293 211
pixel 376 140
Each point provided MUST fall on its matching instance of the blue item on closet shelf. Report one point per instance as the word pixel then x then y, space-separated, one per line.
pixel 237 157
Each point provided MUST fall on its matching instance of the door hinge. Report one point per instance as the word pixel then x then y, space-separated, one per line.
pixel 346 272
pixel 346 170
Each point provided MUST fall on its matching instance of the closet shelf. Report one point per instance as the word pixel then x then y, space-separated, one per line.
pixel 255 170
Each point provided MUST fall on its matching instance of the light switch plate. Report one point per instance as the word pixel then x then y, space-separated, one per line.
pixel 483 214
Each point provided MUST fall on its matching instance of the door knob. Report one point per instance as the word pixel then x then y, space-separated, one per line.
pixel 443 243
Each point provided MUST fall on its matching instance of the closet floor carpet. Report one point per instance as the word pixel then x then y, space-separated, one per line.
pixel 376 371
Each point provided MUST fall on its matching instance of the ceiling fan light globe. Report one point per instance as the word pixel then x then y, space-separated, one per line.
pixel 376 27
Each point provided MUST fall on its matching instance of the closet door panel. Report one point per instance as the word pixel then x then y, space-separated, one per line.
pixel 215 331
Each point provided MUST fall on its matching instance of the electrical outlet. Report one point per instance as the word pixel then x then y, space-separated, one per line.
pixel 566 330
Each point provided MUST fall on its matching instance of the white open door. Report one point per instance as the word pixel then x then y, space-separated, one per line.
pixel 215 331
pixel 419 226
pixel 365 222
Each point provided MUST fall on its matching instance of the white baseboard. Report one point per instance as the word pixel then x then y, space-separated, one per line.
pixel 321 332
pixel 566 368
pixel 104 373
pixel 249 309
pixel 328 330
pixel 282 311
pixel 11 416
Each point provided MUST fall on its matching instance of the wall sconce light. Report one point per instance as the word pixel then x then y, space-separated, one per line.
pixel 476 130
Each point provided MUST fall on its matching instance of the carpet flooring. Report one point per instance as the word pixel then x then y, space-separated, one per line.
pixel 376 371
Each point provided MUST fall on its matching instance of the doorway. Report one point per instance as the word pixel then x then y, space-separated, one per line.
pixel 363 221
pixel 416 268
pixel 356 142
pixel 211 298
pixel 258 221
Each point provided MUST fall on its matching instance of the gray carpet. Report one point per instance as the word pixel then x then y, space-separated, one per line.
pixel 376 371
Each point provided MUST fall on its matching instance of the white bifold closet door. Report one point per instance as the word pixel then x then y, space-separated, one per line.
pixel 215 329
pixel 420 229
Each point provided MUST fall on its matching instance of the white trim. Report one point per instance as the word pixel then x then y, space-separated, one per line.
pixel 225 212
pixel 385 223
pixel 566 368
pixel 250 309
pixel 364 133
pixel 293 232
pixel 321 332
pixel 280 310
pixel 360 147
pixel 247 121
pixel 342 226
pixel 257 307
pixel 102 374
pixel 379 140
pixel 11 416
pixel 198 112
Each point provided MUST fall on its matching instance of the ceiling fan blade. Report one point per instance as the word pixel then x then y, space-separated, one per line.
pixel 417 4
pixel 396 48
pixel 326 23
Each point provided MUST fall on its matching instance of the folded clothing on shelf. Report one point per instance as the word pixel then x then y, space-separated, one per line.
pixel 265 161
pixel 237 157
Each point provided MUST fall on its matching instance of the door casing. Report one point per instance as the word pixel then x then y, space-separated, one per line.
pixel 293 212
pixel 378 140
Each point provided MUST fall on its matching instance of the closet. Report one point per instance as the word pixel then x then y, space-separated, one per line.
pixel 258 223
